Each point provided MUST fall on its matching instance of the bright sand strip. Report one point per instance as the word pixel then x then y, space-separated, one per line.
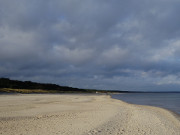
pixel 35 114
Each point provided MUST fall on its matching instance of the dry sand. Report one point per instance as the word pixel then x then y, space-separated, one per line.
pixel 36 114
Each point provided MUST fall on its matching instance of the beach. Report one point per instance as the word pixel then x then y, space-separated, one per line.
pixel 82 114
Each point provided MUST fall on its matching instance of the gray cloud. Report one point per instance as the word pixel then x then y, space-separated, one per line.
pixel 126 45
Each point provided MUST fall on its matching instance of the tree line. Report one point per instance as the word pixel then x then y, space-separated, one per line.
pixel 16 84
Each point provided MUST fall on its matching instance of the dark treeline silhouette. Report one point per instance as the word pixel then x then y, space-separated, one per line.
pixel 15 84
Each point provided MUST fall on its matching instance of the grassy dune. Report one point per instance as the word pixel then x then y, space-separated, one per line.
pixel 9 90
pixel 15 86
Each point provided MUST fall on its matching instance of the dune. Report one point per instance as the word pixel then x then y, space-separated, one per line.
pixel 66 114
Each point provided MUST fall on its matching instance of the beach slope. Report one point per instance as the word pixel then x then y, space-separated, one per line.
pixel 38 114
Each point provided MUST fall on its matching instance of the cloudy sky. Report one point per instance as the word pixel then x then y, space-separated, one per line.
pixel 98 44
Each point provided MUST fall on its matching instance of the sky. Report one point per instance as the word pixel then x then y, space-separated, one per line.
pixel 96 44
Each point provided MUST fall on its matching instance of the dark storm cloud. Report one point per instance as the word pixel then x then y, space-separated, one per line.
pixel 130 45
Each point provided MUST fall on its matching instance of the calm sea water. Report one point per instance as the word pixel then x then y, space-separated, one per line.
pixel 169 101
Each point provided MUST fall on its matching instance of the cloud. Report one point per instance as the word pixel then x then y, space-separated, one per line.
pixel 131 45
pixel 72 56
pixel 170 79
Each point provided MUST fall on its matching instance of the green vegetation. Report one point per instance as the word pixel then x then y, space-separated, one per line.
pixel 9 90
pixel 15 86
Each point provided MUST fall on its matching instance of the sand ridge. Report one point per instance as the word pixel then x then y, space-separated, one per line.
pixel 38 114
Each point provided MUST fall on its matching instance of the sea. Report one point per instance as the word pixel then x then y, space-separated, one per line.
pixel 170 101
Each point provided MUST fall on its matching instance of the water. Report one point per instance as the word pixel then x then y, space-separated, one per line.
pixel 169 101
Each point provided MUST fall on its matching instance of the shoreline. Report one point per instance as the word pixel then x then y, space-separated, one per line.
pixel 95 94
pixel 168 107
pixel 86 114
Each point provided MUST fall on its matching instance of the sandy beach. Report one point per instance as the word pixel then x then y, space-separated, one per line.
pixel 38 114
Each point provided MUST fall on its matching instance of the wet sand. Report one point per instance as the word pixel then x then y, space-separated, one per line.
pixel 38 114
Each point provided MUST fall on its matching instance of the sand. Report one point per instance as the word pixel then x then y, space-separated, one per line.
pixel 38 114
